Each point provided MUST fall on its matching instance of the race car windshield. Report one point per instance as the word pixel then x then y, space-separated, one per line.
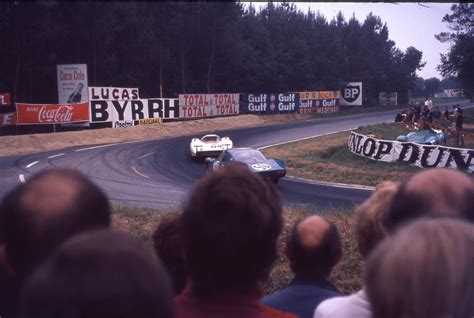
pixel 210 139
pixel 250 156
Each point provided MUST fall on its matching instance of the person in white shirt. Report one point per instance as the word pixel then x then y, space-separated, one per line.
pixel 369 232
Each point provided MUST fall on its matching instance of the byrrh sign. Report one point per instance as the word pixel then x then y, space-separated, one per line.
pixel 423 156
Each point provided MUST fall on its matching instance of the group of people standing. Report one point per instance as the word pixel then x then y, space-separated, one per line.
pixel 424 117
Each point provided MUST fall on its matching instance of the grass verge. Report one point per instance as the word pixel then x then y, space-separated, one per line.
pixel 328 158
pixel 140 224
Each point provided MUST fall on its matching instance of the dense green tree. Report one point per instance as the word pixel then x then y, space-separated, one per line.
pixel 169 48
pixel 432 86
pixel 459 61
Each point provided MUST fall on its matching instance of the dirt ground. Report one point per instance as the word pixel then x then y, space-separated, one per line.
pixel 25 144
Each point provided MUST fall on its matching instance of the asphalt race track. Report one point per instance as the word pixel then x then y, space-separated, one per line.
pixel 158 173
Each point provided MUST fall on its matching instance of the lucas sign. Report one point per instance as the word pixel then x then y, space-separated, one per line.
pixel 351 94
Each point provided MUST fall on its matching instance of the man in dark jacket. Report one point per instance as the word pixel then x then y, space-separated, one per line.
pixel 313 249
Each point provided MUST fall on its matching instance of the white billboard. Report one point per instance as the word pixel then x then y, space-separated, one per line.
pixel 72 83
pixel 208 105
pixel 113 93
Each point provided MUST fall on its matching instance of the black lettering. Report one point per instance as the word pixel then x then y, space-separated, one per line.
pixel 94 96
pixel 155 106
pixel 414 154
pixel 115 93
pixel 456 155
pixel 99 111
pixel 426 161
pixel 358 145
pixel 119 108
pixel 125 94
pixel 385 147
pixel 135 94
pixel 371 149
pixel 137 110
pixel 104 92
pixel 171 105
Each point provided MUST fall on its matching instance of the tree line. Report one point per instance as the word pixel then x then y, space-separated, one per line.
pixel 169 48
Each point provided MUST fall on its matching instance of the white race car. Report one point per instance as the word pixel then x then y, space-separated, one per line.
pixel 209 145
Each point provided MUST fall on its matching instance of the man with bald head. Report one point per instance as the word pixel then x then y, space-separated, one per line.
pixel 313 249
pixel 39 215
pixel 433 192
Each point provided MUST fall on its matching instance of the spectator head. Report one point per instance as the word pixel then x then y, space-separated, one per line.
pixel 230 226
pixel 49 208
pixel 98 274
pixel 168 246
pixel 369 230
pixel 313 248
pixel 424 270
pixel 431 192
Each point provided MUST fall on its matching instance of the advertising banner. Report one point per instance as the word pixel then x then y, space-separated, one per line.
pixel 34 114
pixel 123 124
pixel 112 93
pixel 387 99
pixel 323 102
pixel 102 111
pixel 5 99
pixel 72 83
pixel 208 105
pixel 423 156
pixel 351 94
pixel 7 119
pixel 149 121
pixel 271 103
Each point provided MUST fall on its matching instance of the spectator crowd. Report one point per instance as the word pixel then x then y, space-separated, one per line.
pixel 59 256
pixel 430 116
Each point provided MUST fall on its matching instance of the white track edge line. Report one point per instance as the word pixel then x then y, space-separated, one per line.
pixel 22 178
pixel 32 164
pixel 95 147
pixel 139 173
pixel 60 154
pixel 338 185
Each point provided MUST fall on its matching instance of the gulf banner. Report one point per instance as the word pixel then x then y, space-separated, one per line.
pixel 34 114
pixel 208 105
pixel 109 111
pixel 5 99
pixel 423 156
pixel 271 103
pixel 7 119
pixel 112 93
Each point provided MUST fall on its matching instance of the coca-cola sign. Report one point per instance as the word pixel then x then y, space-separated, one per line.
pixel 31 114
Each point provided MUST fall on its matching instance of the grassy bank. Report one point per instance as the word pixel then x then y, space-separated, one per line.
pixel 141 223
pixel 328 158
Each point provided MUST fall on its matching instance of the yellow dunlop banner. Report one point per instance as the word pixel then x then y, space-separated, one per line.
pixel 148 121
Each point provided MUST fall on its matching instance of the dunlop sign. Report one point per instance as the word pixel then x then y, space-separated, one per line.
pixel 423 156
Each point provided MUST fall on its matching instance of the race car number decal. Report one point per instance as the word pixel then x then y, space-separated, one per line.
pixel 261 166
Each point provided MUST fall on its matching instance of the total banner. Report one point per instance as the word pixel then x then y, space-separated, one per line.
pixel 208 105
pixel 102 111
pixel 112 93
pixel 72 84
pixel 423 156
pixel 7 119
pixel 271 103
pixel 5 99
pixel 351 94
pixel 34 114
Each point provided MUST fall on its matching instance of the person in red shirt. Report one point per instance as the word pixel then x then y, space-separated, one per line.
pixel 230 225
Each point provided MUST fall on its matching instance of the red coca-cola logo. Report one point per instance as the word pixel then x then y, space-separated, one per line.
pixel 61 114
